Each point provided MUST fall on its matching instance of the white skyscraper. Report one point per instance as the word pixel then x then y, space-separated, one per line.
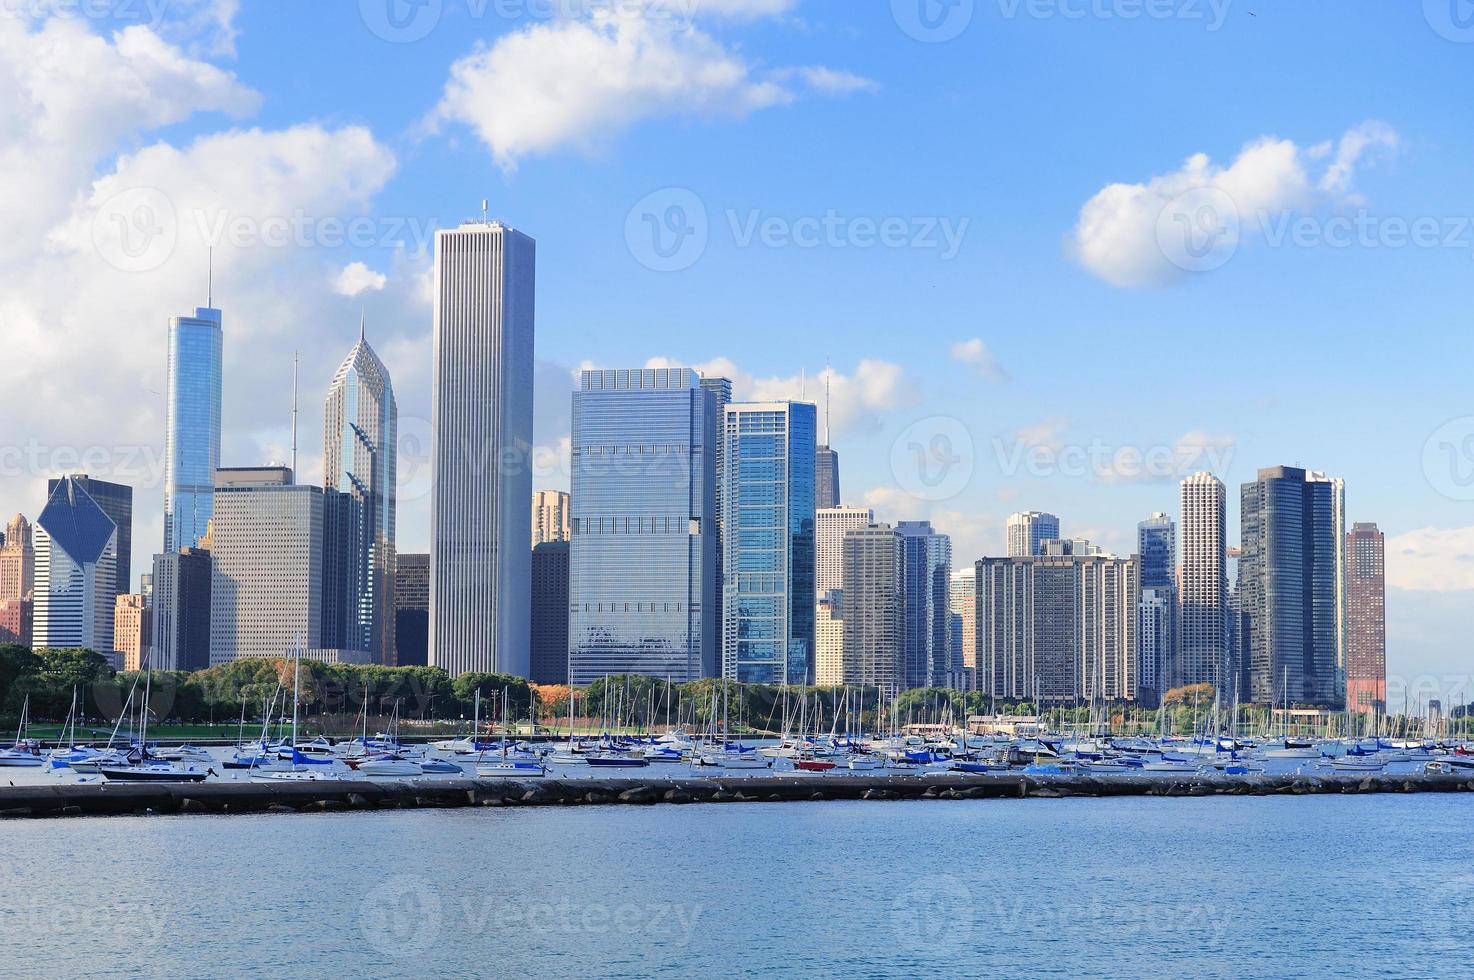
pixel 481 418
pixel 830 525
pixel 76 550
pixel 1202 644
pixel 1028 530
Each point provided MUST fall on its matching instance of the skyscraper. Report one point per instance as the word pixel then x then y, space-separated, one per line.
pixel 1028 530
pixel 550 613
pixel 1058 628
pixel 768 579
pixel 642 568
pixel 1156 546
pixel 962 601
pixel 926 575
pixel 360 441
pixel 829 642
pixel 1288 588
pixel 874 609
pixel 830 526
pixel 17 582
pixel 411 610
pixel 266 584
pixel 1338 523
pixel 181 610
pixel 192 426
pixel 76 546
pixel 550 514
pixel 1366 620
pixel 1201 655
pixel 116 501
pixel 721 393
pixel 826 463
pixel 481 417
pixel 132 629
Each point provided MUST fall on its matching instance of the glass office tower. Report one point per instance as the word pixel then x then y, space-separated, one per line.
pixel 768 542
pixel 192 438
pixel 642 588
pixel 926 574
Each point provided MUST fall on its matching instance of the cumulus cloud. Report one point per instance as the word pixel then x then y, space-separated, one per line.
pixel 1156 233
pixel 1431 559
pixel 579 81
pixel 974 535
pixel 976 354
pixel 355 278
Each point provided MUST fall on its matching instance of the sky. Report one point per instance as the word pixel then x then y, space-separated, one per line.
pixel 1050 254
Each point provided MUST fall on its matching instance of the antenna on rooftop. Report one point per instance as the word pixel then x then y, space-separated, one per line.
pixel 294 416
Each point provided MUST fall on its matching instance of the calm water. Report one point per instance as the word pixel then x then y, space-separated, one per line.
pixel 1357 886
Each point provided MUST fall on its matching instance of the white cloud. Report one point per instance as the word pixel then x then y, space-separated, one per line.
pixel 1119 235
pixel 1431 559
pixel 578 82
pixel 976 354
pixel 1047 434
pixel 974 535
pixel 355 278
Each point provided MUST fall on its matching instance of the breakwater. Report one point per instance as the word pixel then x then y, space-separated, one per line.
pixel 363 795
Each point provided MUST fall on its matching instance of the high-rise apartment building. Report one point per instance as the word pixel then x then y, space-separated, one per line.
pixel 1366 620
pixel 830 526
pixel 962 602
pixel 1338 524
pixel 1201 654
pixel 1156 548
pixel 1288 587
pixel 192 426
pixel 76 548
pixel 481 417
pixel 642 587
pixel 926 575
pixel 768 528
pixel 132 630
pixel 874 610
pixel 550 614
pixel 1028 530
pixel 360 447
pixel 550 516
pixel 829 641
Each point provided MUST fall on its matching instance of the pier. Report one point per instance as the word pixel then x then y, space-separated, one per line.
pixel 99 799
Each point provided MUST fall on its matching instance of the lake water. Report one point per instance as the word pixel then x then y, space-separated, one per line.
pixel 1230 887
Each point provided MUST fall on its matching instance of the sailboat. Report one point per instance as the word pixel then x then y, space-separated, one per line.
pixel 22 754
pixel 140 766
pixel 299 767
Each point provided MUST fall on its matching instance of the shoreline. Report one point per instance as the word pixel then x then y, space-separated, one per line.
pixel 115 799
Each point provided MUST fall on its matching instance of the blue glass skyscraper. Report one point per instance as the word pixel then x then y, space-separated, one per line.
pixel 926 574
pixel 192 438
pixel 768 542
pixel 642 573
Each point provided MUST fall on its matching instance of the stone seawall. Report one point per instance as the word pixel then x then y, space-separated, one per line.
pixel 340 795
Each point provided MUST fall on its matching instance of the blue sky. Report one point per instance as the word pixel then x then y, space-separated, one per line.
pixel 1052 139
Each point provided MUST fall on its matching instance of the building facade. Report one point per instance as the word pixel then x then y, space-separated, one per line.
pixel 180 608
pixel 116 501
pixel 412 610
pixel 826 477
pixel 550 516
pixel 829 641
pixel 192 426
pixel 1366 620
pixel 962 601
pixel 17 582
pixel 132 630
pixel 926 576
pixel 1201 655
pixel 550 612
pixel 874 610
pixel 360 448
pixel 1028 530
pixel 1058 629
pixel 76 549
pixel 481 417
pixel 1156 549
pixel 1288 589
pixel 830 526
pixel 266 583
pixel 642 593
pixel 768 556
